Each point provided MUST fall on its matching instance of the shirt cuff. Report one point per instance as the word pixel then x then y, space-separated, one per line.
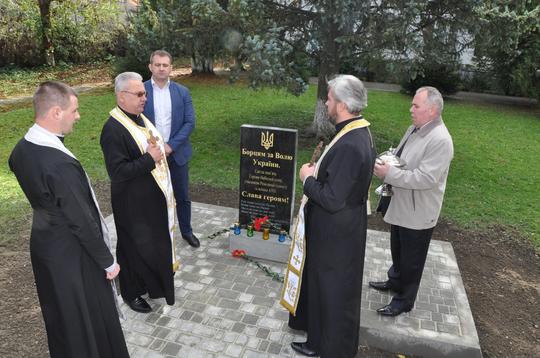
pixel 112 267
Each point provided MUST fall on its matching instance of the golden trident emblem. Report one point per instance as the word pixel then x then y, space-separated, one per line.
pixel 267 140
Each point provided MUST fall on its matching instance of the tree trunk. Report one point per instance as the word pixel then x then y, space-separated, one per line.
pixel 48 47
pixel 321 125
pixel 330 64
pixel 201 64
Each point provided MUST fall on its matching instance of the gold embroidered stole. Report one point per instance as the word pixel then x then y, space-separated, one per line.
pixel 290 292
pixel 161 173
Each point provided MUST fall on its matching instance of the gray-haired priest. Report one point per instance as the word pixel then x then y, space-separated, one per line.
pixel 142 197
pixel 335 228
pixel 69 244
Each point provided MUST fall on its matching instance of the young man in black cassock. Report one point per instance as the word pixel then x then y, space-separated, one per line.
pixel 335 228
pixel 142 197
pixel 69 245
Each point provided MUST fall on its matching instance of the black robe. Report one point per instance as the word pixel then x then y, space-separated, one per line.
pixel 144 250
pixel 68 255
pixel 336 224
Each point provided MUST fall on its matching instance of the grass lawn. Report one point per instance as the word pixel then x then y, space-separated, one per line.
pixel 491 179
pixel 20 81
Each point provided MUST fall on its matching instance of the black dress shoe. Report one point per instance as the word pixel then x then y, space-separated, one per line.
pixel 192 240
pixel 139 305
pixel 302 348
pixel 388 310
pixel 380 285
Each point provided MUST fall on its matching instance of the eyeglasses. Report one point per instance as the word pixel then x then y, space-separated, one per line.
pixel 138 94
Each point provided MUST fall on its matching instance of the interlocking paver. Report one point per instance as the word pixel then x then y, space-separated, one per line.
pixel 160 332
pixel 253 342
pixel 263 333
pixel 226 307
pixel 171 349
pixel 157 345
pixel 263 346
pixel 250 319
pixel 274 348
pixel 230 337
pixel 188 340
pixel 238 327
pixel 234 350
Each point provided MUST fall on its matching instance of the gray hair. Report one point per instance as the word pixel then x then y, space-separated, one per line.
pixel 120 82
pixel 434 97
pixel 350 91
pixel 49 94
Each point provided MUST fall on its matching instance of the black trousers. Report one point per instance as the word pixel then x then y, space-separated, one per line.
pixel 409 251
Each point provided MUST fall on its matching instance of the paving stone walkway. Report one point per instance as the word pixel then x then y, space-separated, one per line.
pixel 227 307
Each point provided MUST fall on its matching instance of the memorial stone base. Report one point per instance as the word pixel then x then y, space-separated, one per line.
pixel 228 307
pixel 255 246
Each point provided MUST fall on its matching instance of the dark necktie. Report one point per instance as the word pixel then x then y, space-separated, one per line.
pixel 400 150
pixel 384 201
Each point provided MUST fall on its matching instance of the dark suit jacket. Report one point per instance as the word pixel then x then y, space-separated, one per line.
pixel 182 119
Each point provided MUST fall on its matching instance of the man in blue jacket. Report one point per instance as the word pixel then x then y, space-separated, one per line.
pixel 170 109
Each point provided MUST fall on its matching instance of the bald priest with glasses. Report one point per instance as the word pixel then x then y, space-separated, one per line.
pixel 142 197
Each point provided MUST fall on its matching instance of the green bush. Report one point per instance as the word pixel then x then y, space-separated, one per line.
pixel 477 80
pixel 20 32
pixel 154 26
pixel 441 76
pixel 371 68
pixel 85 30
pixel 82 31
pixel 132 64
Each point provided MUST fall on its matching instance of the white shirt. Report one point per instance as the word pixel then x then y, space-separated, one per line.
pixel 162 109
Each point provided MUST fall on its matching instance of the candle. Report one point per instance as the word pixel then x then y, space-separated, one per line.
pixel 250 230
pixel 282 236
pixel 266 233
pixel 236 228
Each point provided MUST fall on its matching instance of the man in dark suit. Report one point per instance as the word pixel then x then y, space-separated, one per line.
pixel 335 228
pixel 170 109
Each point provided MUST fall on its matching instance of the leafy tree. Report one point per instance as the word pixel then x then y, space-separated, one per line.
pixel 409 33
pixel 46 31
pixel 157 24
pixel 85 30
pixel 192 28
pixel 509 44
pixel 207 20
pixel 20 42
pixel 279 42
pixel 438 37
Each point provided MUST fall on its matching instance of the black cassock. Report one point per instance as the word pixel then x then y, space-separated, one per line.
pixel 336 223
pixel 68 255
pixel 139 206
